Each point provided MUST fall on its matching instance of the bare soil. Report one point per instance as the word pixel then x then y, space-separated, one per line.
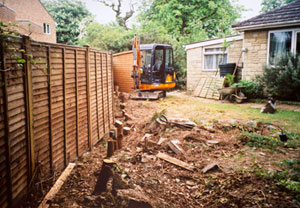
pixel 140 179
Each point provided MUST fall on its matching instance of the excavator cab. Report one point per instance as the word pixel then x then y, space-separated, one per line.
pixel 157 64
pixel 154 72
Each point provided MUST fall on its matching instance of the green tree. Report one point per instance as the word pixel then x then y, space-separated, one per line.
pixel 110 37
pixel 186 21
pixel 193 20
pixel 268 5
pixel 71 17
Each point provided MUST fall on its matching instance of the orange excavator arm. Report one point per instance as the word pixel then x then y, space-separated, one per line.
pixel 136 62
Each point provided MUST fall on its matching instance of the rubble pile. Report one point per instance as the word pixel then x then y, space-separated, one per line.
pixel 172 162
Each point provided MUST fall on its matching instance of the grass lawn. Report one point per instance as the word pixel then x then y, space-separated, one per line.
pixel 197 111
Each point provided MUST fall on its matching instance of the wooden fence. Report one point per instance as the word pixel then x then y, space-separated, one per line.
pixel 53 108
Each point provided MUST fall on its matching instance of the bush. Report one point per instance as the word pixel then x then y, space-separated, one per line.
pixel 252 89
pixel 283 78
pixel 259 141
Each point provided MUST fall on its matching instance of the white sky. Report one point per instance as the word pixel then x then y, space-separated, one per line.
pixel 105 15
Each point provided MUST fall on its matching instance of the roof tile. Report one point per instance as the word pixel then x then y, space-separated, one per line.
pixel 286 13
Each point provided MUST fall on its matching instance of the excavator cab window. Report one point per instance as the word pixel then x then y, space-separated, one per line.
pixel 169 58
pixel 146 59
pixel 146 66
pixel 158 66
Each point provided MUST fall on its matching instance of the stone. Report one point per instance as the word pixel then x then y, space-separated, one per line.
pixel 234 122
pixel 252 123
pixel 271 128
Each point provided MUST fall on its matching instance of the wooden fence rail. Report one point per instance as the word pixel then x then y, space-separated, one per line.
pixel 53 108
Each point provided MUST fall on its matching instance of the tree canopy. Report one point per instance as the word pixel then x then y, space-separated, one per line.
pixel 71 17
pixel 268 5
pixel 191 20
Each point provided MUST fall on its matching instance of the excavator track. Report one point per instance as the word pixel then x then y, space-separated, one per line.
pixel 148 95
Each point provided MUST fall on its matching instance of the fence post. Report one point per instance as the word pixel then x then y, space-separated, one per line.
pixel 109 121
pixel 87 61
pixel 113 86
pixel 50 108
pixel 29 105
pixel 97 103
pixel 77 107
pixel 102 85
pixel 6 124
pixel 65 105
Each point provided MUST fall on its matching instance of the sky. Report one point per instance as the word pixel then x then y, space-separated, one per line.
pixel 105 15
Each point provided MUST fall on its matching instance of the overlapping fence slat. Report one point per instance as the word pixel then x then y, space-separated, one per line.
pixel 53 108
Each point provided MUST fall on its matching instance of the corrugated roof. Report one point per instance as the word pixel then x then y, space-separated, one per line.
pixel 283 14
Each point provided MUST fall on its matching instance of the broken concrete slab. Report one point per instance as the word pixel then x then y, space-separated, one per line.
pixel 182 122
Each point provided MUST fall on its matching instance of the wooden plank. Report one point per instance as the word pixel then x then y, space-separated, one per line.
pixel 89 98
pixel 29 107
pixel 6 125
pixel 65 108
pixel 97 102
pixel 175 161
pixel 56 187
pixel 50 108
pixel 200 91
pixel 77 106
pixel 107 83
pixel 112 85
pixel 103 109
pixel 208 86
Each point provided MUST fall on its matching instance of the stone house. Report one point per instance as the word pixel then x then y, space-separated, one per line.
pixel 31 17
pixel 262 39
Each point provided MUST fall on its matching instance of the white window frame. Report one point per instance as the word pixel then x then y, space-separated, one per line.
pixel 46 25
pixel 294 39
pixel 212 53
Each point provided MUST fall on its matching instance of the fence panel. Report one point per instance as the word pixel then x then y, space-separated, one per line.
pixel 52 109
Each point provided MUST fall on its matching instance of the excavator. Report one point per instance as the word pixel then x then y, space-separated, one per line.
pixel 153 70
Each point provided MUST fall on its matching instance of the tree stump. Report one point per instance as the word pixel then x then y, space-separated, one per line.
pixel 105 174
pixel 110 148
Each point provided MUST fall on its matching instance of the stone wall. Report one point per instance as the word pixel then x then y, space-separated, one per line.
pixel 195 63
pixel 256 56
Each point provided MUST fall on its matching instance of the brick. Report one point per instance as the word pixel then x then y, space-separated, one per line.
pixel 34 11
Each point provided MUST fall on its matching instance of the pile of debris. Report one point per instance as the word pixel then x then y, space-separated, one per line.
pixel 155 161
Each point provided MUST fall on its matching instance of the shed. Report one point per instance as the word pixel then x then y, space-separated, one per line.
pixel 122 67
pixel 203 58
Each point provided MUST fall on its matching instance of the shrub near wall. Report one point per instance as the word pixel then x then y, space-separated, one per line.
pixel 283 78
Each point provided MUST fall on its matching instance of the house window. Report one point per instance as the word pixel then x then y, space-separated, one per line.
pixel 213 57
pixel 46 28
pixel 281 42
